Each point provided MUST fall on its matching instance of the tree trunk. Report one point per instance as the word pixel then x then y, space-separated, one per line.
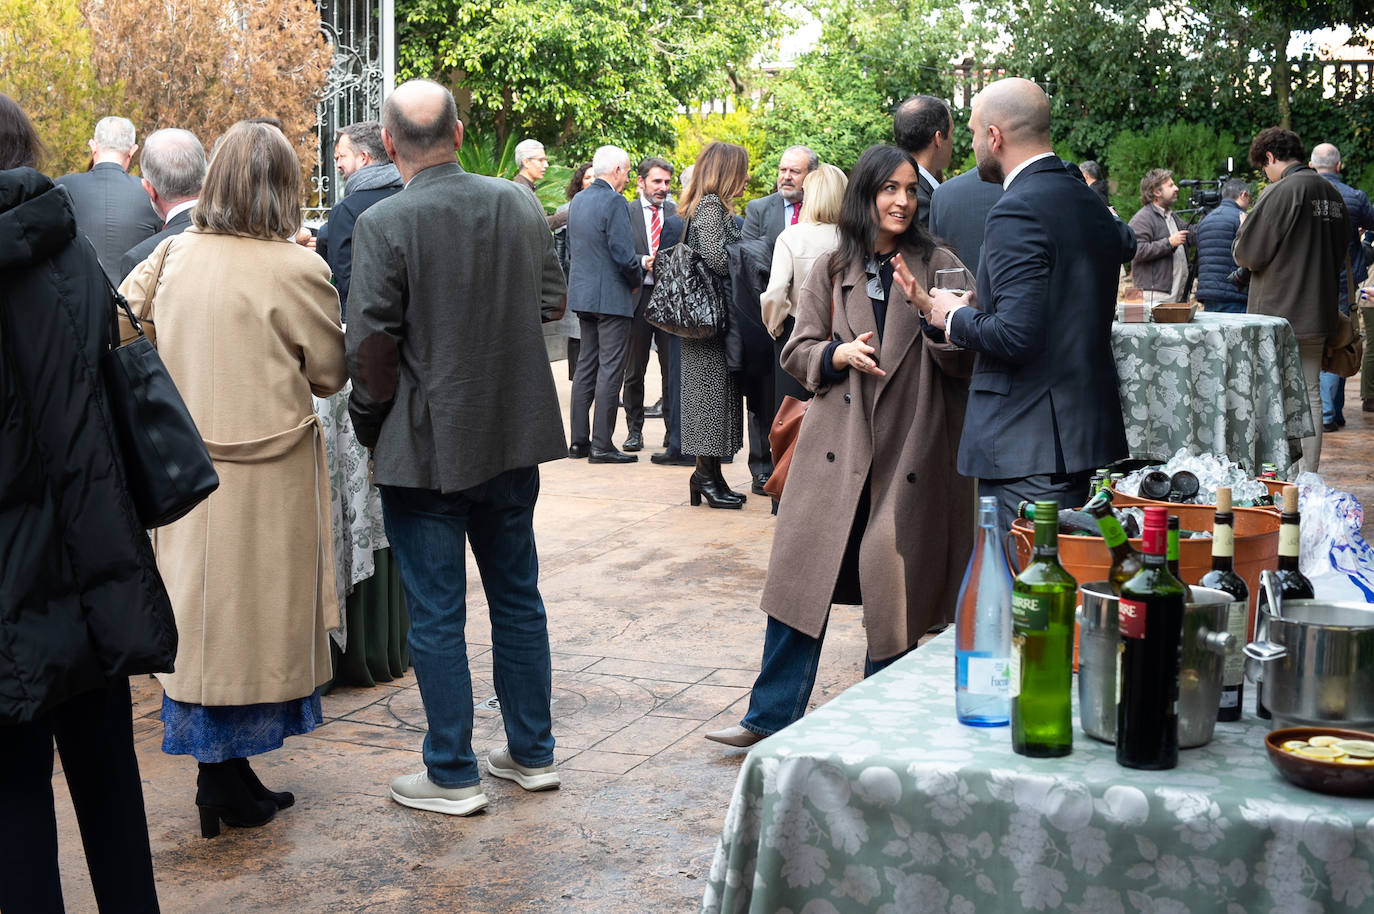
pixel 1283 81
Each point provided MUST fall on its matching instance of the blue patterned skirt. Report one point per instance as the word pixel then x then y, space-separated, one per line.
pixel 219 733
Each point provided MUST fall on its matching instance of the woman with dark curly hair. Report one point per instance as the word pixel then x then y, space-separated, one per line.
pixel 874 512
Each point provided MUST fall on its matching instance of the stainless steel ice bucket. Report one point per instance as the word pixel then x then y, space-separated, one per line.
pixel 1205 644
pixel 1316 659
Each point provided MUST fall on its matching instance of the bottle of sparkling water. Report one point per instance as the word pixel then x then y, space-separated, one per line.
pixel 982 629
pixel 1042 604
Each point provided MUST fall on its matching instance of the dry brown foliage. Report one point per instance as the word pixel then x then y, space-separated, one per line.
pixel 205 64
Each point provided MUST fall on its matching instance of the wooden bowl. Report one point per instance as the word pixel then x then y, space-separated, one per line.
pixel 1316 774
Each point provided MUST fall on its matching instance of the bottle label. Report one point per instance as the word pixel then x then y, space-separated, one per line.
pixel 1131 614
pixel 1112 533
pixel 1233 671
pixel 1289 537
pixel 988 676
pixel 1018 647
pixel 1230 698
pixel 1030 612
pixel 1223 540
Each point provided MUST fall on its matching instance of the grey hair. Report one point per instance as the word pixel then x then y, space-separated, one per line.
pixel 116 134
pixel 1325 155
pixel 173 161
pixel 527 149
pixel 1233 188
pixel 608 158
pixel 813 161
pixel 1090 169
pixel 366 136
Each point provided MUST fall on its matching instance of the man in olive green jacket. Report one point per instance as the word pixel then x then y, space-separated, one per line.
pixel 1294 243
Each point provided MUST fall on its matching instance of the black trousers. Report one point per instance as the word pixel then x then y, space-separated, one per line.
pixel 758 396
pixel 642 335
pixel 94 734
pixel 600 371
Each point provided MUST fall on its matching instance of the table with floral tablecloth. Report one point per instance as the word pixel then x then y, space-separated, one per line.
pixel 1223 384
pixel 880 802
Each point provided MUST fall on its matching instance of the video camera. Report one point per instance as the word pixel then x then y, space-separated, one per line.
pixel 1204 195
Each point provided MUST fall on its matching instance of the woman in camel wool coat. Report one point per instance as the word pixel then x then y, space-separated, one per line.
pixel 876 447
pixel 248 326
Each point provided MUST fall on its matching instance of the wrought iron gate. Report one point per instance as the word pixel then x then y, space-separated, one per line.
pixel 361 33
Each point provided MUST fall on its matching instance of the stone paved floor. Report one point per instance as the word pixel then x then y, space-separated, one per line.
pixel 656 636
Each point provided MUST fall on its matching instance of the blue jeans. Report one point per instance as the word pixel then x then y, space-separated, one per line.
pixel 1333 392
pixel 427 530
pixel 787 676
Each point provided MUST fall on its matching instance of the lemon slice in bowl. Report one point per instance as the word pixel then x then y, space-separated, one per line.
pixel 1292 745
pixel 1323 753
pixel 1360 748
pixel 1324 740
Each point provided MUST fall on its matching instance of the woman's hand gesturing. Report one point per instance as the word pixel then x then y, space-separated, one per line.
pixel 858 355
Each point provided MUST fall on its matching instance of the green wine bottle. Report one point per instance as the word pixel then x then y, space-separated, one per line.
pixel 1125 560
pixel 1042 605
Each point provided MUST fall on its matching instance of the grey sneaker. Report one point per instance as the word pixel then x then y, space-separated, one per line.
pixel 501 765
pixel 419 792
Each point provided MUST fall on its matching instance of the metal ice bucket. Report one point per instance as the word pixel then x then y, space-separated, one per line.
pixel 1205 645
pixel 1316 659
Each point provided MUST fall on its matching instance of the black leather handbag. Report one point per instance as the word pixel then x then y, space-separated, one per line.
pixel 688 298
pixel 168 469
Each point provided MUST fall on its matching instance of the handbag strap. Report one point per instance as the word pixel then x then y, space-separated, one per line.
pixel 1350 286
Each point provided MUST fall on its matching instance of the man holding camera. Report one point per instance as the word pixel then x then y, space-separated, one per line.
pixel 1160 266
pixel 1221 285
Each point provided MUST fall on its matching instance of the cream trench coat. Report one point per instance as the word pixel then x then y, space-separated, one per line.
pixel 904 430
pixel 248 329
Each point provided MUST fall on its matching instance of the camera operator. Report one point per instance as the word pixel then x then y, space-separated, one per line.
pixel 1160 266
pixel 1218 289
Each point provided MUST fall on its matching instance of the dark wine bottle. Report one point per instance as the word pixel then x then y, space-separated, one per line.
pixel 1223 577
pixel 1125 560
pixel 1151 618
pixel 1070 522
pixel 1042 606
pixel 1293 584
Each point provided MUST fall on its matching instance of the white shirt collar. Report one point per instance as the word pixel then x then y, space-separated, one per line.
pixel 647 204
pixel 1022 167
pixel 179 208
pixel 934 181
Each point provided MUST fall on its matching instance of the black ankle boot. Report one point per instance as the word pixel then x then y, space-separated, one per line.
pixel 279 798
pixel 221 794
pixel 703 482
pixel 720 481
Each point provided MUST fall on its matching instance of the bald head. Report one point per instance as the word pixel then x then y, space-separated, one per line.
pixel 420 125
pixel 174 164
pixel 1326 157
pixel 1018 108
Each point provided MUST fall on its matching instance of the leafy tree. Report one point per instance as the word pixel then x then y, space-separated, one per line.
pixel 741 127
pixel 204 64
pixel 45 56
pixel 577 73
pixel 1189 150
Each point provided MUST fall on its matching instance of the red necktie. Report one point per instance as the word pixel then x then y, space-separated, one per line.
pixel 796 211
pixel 655 230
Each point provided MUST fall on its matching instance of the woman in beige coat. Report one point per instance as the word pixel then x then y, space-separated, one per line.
pixel 248 326
pixel 874 511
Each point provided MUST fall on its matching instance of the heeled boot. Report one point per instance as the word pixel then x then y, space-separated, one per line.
pixel 222 795
pixel 720 481
pixel 279 798
pixel 703 483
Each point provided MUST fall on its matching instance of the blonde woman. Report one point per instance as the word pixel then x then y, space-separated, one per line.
pixel 248 326
pixel 712 411
pixel 817 232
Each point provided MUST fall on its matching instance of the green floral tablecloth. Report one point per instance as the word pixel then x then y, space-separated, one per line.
pixel 1224 384
pixel 880 802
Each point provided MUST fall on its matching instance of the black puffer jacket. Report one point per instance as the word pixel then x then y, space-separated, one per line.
pixel 80 596
pixel 1214 261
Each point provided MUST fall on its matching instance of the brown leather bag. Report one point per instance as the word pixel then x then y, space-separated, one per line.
pixel 1345 348
pixel 782 437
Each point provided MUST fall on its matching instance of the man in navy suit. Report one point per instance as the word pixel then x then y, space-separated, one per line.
pixel 649 213
pixel 922 126
pixel 606 274
pixel 110 205
pixel 173 171
pixel 959 213
pixel 1043 409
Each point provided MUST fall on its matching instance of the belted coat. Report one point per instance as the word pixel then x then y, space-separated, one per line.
pixel 901 430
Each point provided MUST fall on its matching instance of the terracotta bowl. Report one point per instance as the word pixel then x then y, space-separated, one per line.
pixel 1316 774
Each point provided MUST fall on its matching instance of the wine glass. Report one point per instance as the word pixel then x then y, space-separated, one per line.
pixel 951 280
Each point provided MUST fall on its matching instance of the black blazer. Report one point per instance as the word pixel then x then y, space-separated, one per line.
pixel 339 251
pixel 144 249
pixel 1043 398
pixel 112 209
pixel 924 191
pixel 959 213
pixel 605 267
pixel 641 228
